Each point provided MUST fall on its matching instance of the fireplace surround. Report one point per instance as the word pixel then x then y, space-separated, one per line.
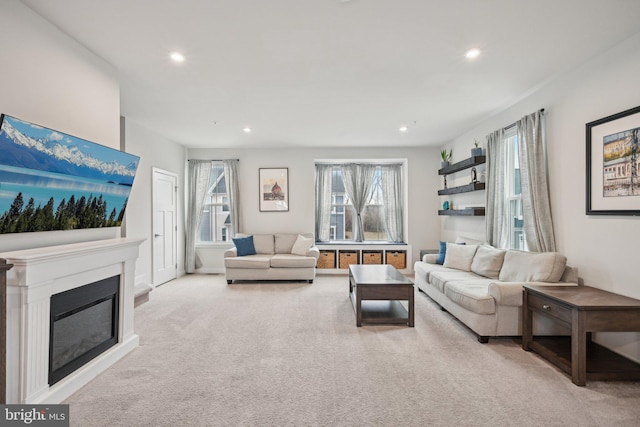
pixel 37 275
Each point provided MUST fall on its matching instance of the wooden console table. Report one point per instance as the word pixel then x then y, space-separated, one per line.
pixel 584 309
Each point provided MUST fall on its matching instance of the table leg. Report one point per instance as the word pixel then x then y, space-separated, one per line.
pixel 578 348
pixel 358 306
pixel 527 323
pixel 411 310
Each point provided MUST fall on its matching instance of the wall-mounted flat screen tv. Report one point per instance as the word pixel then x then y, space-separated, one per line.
pixel 50 180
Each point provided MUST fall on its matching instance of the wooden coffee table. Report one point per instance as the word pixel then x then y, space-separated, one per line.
pixel 376 292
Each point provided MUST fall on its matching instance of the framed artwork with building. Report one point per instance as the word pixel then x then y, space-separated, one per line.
pixel 274 189
pixel 613 164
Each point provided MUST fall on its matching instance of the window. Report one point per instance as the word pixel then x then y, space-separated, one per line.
pixel 215 225
pixel 514 192
pixel 344 216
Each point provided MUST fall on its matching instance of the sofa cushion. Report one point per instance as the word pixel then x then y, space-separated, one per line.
pixel 459 257
pixel 284 242
pixel 473 296
pixel 424 269
pixel 520 266
pixel 442 252
pixel 302 245
pixel 488 261
pixel 440 278
pixel 244 245
pixel 292 261
pixel 263 243
pixel 249 261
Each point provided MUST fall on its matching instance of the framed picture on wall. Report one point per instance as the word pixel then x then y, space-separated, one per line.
pixel 613 164
pixel 274 189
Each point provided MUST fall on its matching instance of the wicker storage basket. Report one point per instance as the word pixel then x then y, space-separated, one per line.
pixel 397 259
pixel 348 257
pixel 327 259
pixel 372 257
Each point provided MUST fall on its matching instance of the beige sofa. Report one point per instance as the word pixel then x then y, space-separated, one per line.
pixel 280 256
pixel 482 286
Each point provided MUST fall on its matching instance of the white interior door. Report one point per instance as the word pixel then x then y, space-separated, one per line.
pixel 165 264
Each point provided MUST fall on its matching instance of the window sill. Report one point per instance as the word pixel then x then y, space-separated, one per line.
pixel 213 245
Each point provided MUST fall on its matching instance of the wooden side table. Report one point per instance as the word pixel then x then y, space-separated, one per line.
pixel 584 310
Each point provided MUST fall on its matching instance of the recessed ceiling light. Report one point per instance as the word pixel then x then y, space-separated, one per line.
pixel 176 57
pixel 246 129
pixel 403 129
pixel 472 53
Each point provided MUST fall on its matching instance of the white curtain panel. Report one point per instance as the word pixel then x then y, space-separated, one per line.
pixel 357 182
pixel 393 202
pixel 199 175
pixel 233 192
pixel 536 204
pixel 323 201
pixel 497 214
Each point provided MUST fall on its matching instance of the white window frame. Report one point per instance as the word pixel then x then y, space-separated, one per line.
pixel 217 229
pixel 348 207
pixel 516 234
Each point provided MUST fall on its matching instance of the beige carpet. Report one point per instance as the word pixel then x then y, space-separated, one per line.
pixel 290 355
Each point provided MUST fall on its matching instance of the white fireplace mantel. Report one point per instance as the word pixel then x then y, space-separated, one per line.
pixel 36 276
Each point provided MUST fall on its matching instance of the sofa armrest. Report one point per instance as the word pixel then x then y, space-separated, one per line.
pixel 230 253
pixel 314 252
pixel 430 258
pixel 510 293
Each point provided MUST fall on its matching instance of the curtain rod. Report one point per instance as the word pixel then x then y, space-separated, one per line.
pixel 213 160
pixel 514 123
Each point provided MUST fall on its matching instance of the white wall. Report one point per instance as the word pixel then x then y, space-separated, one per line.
pixel 49 79
pixel 155 151
pixel 422 228
pixel 603 248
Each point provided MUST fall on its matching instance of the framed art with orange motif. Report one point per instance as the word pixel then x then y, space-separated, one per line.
pixel 274 189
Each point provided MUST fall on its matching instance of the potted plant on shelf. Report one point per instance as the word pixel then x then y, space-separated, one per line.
pixel 477 150
pixel 446 157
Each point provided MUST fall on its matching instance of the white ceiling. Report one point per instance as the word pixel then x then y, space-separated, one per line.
pixel 333 73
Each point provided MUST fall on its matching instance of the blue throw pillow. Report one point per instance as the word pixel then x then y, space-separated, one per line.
pixel 442 253
pixel 244 245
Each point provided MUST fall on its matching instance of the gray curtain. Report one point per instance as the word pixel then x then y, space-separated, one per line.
pixel 233 191
pixel 536 204
pixel 497 214
pixel 357 182
pixel 198 175
pixel 323 201
pixel 393 202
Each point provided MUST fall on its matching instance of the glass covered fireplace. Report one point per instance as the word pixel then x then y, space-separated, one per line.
pixel 84 324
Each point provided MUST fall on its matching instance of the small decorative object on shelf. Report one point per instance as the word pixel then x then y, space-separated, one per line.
pixel 445 206
pixel 446 158
pixel 477 150
pixel 445 181
pixel 474 175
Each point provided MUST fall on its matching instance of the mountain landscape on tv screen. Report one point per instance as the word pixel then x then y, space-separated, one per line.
pixel 60 153
pixel 53 181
